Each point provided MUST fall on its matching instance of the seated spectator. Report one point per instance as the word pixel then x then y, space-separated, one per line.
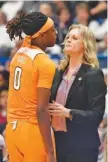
pixel 16 47
pixel 83 17
pixel 2 67
pixel 3 109
pixel 4 38
pixel 29 6
pixel 2 119
pixel 59 5
pixel 3 100
pixel 98 29
pixel 98 10
pixel 103 46
pixel 10 8
pixel 55 53
pixel 82 14
pixel 12 52
pixel 4 78
pixel 46 9
pixel 103 52
pixel 65 20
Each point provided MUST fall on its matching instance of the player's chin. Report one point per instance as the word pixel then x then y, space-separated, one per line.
pixel 52 43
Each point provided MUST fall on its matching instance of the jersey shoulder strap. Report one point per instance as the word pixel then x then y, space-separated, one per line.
pixel 32 53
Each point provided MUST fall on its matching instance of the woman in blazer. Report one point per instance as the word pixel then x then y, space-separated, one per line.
pixel 78 98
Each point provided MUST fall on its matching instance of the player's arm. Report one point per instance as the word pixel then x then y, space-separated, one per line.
pixel 46 73
pixel 44 118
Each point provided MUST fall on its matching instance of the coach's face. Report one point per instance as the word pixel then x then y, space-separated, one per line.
pixel 74 43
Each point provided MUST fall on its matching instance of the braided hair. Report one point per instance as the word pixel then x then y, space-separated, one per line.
pixel 27 23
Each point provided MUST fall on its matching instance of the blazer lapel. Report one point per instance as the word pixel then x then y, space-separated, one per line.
pixel 77 81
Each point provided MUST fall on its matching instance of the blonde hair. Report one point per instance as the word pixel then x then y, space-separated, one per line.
pixel 89 56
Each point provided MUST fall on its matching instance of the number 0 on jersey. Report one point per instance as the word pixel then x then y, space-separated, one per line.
pixel 17 78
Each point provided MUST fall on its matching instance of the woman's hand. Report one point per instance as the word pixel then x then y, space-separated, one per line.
pixel 56 109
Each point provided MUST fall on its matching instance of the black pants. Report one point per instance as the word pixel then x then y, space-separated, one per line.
pixel 79 155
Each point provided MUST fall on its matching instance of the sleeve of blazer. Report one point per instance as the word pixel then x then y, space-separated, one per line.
pixel 96 91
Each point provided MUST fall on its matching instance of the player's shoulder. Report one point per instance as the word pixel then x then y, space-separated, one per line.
pixel 43 60
pixel 42 56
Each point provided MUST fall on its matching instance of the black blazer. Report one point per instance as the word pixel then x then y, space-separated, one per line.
pixel 86 98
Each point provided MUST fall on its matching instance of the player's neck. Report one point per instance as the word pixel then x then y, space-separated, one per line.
pixel 38 44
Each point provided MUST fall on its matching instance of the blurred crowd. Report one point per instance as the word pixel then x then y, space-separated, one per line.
pixel 64 13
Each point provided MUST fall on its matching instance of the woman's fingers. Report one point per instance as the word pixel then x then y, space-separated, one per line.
pixel 50 107
pixel 53 104
pixel 55 107
pixel 54 112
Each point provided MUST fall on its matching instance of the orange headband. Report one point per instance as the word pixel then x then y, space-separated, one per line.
pixel 49 23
